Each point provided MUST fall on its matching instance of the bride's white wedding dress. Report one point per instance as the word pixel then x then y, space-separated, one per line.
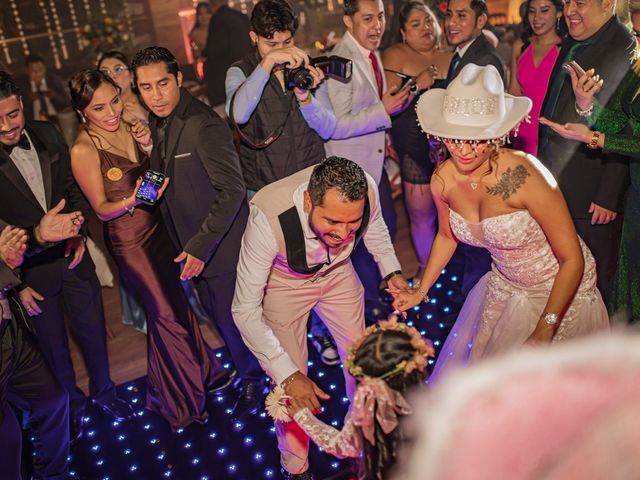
pixel 502 310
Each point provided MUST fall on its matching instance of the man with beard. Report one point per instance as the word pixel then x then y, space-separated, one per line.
pixel 296 257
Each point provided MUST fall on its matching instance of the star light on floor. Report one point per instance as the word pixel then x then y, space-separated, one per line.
pixel 145 448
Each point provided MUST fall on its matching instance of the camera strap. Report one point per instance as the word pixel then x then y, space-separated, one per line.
pixel 272 137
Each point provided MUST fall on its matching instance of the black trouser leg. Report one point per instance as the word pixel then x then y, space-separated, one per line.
pixel 27 383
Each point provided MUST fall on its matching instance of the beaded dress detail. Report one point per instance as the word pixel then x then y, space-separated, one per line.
pixel 502 310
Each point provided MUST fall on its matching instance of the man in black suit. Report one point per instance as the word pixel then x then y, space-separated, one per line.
pixel 593 184
pixel 44 93
pixel 35 175
pixel 204 205
pixel 227 42
pixel 463 26
pixel 26 382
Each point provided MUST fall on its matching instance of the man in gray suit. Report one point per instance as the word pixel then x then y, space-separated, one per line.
pixel 363 109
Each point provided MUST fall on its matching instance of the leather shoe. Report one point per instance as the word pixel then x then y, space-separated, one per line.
pixel 222 380
pixel 117 408
pixel 249 399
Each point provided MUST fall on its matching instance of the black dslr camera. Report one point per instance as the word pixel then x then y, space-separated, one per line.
pixel 333 66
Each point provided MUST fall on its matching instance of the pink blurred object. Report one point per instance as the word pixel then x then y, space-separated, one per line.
pixel 570 412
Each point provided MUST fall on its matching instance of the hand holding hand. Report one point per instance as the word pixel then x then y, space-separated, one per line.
pixel 303 393
pixel 56 226
pixel 405 299
pixel 585 87
pixel 192 265
pixel 29 299
pixel 77 245
pixel 570 131
pixel 601 215
pixel 13 244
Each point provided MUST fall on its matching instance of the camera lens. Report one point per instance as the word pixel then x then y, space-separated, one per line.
pixel 303 79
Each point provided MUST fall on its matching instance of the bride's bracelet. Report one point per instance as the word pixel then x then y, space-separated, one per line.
pixel 425 296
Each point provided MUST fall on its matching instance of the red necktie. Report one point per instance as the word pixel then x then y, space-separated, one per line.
pixel 377 72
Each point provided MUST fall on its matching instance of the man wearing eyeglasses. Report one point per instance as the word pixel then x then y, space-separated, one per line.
pixel 594 184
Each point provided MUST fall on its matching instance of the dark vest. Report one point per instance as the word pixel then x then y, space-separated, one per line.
pixel 298 147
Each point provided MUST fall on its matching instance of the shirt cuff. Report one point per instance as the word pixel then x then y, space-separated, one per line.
pixel 282 368
pixel 388 265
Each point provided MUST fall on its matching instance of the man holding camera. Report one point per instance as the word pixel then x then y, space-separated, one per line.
pixel 281 128
pixel 363 109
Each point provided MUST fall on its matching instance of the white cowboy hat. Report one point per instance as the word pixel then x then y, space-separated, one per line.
pixel 473 107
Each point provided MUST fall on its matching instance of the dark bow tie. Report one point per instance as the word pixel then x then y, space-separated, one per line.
pixel 22 143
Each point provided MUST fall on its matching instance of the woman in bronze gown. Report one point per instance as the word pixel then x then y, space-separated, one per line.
pixel 108 160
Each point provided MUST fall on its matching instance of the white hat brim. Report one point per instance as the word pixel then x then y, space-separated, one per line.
pixel 432 122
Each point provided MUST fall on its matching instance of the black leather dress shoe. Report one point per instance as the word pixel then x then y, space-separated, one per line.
pixel 223 380
pixel 117 408
pixel 249 399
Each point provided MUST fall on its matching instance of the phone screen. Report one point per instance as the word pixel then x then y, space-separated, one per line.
pixel 151 183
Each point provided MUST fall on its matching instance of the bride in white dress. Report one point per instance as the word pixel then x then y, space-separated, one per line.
pixel 542 285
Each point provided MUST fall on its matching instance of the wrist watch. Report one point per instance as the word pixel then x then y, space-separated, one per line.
pixel 550 318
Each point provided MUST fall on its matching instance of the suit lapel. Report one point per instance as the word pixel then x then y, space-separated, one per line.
pixel 8 168
pixel 173 135
pixel 45 164
pixel 471 54
pixel 364 65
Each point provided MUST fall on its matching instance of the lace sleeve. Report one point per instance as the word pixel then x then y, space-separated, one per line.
pixel 344 443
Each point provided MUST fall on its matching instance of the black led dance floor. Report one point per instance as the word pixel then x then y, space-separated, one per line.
pixel 144 448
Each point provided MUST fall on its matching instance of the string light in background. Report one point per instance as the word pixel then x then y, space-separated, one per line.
pixel 16 17
pixel 103 7
pixel 87 9
pixel 56 21
pixel 76 26
pixel 52 41
pixel 5 48
pixel 127 16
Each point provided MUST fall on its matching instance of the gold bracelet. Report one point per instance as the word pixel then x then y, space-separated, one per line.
pixel 595 137
pixel 306 101
pixel 285 383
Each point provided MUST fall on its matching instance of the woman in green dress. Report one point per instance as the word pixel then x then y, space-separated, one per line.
pixel 615 128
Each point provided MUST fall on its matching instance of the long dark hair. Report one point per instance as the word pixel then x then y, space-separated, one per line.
pixel 84 84
pixel 199 8
pixel 378 354
pixel 561 25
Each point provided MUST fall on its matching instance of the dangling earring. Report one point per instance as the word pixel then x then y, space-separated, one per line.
pixel 558 25
pixel 404 39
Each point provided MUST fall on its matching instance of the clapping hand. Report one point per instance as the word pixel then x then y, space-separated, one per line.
pixel 13 245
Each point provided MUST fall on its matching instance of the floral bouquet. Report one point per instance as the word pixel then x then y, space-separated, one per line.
pixel 106 34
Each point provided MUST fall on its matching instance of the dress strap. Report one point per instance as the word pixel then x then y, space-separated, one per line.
pixel 101 152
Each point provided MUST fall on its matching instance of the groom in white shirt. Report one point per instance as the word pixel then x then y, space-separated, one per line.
pixel 295 257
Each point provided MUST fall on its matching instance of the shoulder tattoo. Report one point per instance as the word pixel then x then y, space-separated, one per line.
pixel 509 183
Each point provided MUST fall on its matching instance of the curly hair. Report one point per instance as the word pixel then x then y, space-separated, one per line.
pixel 378 354
pixel 336 172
